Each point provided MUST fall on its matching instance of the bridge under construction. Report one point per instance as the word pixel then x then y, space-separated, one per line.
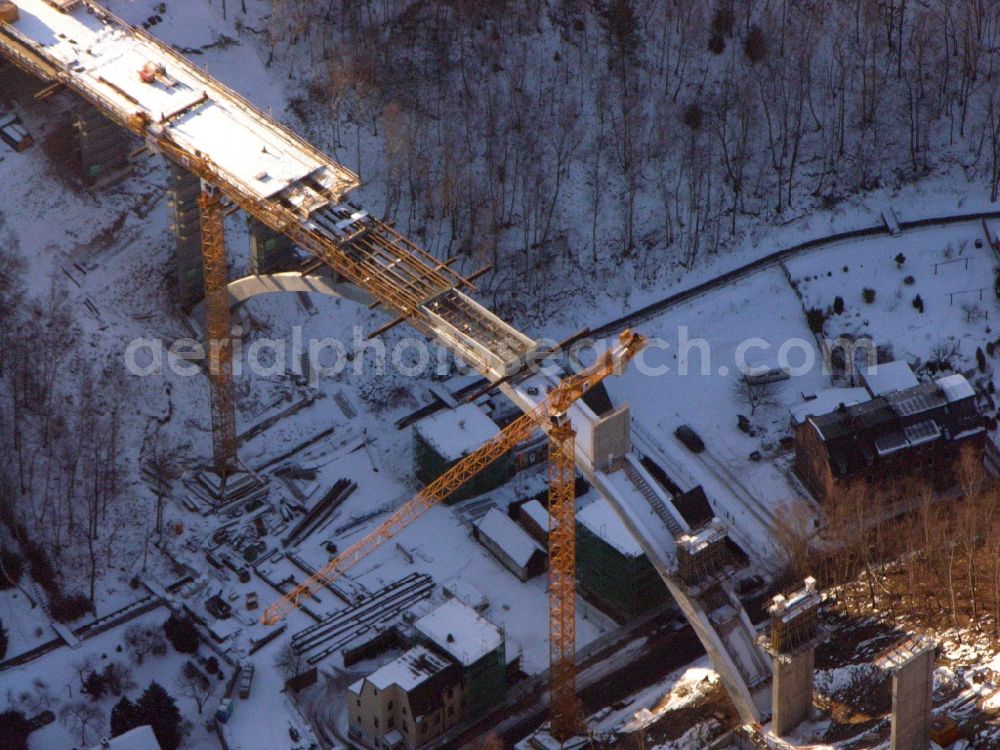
pixel 247 160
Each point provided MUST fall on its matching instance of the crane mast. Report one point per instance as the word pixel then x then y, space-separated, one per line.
pixel 217 328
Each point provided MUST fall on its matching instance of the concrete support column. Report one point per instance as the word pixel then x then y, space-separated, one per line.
pixel 269 251
pixel 791 691
pixel 795 633
pixel 183 189
pixel 912 667
pixel 102 147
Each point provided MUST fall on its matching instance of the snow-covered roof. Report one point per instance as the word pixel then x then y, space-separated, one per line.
pixel 455 433
pixel 827 401
pixel 888 377
pixel 508 536
pixel 537 513
pixel 408 671
pixel 140 738
pixel 460 631
pixel 955 387
pixel 466 592
pixel 602 521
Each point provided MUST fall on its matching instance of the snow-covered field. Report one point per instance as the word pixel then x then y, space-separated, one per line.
pixel 51 682
pixel 942 265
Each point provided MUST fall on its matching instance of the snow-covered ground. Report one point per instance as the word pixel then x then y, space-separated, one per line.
pixel 942 265
pixel 115 246
pixel 52 681
pixel 746 494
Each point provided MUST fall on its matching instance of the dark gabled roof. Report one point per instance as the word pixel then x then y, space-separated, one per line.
pixel 853 419
pixel 859 435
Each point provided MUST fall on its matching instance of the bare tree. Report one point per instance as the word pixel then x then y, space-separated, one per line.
pixel 754 392
pixel 290 662
pixel 83 718
pixel 195 684
pixel 141 641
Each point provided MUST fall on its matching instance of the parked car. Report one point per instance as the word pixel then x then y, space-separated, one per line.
pixel 686 434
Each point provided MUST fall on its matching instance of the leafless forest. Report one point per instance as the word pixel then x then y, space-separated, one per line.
pixel 907 551
pixel 576 134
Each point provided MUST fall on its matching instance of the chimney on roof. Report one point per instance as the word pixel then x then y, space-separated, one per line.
pixel 105 743
pixel 450 638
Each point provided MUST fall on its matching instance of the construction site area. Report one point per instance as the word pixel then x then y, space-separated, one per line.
pixel 381 540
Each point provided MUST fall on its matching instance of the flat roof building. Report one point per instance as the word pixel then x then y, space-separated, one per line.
pixel 140 738
pixel 476 644
pixel 442 439
pixel 611 569
pixel 888 377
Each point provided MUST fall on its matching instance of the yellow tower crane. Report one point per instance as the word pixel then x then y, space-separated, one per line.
pixel 549 415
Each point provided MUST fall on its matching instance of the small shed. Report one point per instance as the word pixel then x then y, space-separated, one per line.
pixel 534 519
pixel 510 544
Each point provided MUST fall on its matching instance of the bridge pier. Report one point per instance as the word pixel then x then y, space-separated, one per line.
pixel 911 665
pixel 183 189
pixel 270 251
pixel 102 147
pixel 795 633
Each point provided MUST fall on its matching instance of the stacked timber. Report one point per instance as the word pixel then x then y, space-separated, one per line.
pixel 321 512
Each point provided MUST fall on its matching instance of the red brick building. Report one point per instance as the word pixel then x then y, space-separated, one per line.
pixel 914 431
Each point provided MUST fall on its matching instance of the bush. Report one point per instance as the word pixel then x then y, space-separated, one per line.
pixel 11 563
pixel 716 44
pixel 815 318
pixel 755 45
pixel 838 305
pixel 211 665
pixel 182 634
pixel 95 686
pixel 68 607
pixel 14 730
pixel 909 281
pixel 693 115
pixel 900 260
pixel 918 303
pixel 723 20
pixel 868 294
pixel 41 568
